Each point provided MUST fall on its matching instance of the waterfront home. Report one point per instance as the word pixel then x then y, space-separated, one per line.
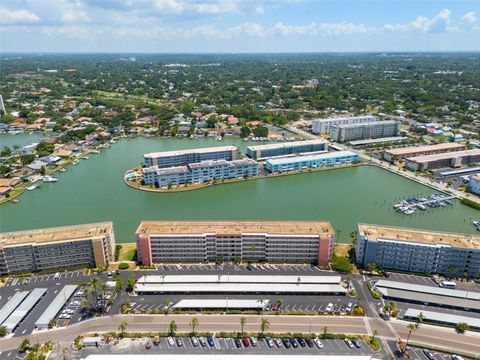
pixel 4 190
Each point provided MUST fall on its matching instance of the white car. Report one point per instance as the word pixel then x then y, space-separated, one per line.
pixel 318 343
pixel 457 357
pixel 329 307
pixel 349 343
pixel 170 341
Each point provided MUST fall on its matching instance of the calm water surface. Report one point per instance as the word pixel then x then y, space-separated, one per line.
pixel 94 191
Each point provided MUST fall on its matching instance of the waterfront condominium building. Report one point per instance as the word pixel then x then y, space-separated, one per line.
pixel 474 184
pixel 272 241
pixel 203 171
pixel 322 126
pixel 411 151
pixel 184 157
pixel 436 161
pixel 367 130
pixel 303 162
pixel 421 251
pixel 56 248
pixel 271 150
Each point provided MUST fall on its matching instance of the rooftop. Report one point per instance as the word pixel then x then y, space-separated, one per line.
pixel 442 317
pixel 373 118
pixel 345 126
pixel 55 234
pixel 295 159
pixel 422 149
pixel 375 232
pixel 239 279
pixel 235 227
pixel 190 151
pixel 442 156
pixel 378 140
pixel 285 145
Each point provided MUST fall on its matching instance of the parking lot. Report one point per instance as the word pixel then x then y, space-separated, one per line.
pixel 427 281
pixel 221 346
pixel 419 354
pixel 39 279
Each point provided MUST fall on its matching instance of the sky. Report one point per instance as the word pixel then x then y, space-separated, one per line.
pixel 238 26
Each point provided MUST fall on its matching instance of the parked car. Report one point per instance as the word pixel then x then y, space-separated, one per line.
pixel 269 342
pixel 56 276
pixel 249 267
pixel 238 343
pixel 148 344
pixel 349 307
pixel 253 340
pixel 179 342
pixel 194 341
pixel 343 308
pixel 278 342
pixel 357 343
pixel 245 341
pixel 203 342
pixel 349 343
pixel 302 342
pixel 430 355
pixel 457 357
pixel 286 343
pixel 170 341
pixel 210 341
pixel 309 342
pixel 294 342
pixel 318 343
pixel 329 307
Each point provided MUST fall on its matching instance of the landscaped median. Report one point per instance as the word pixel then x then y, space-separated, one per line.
pixel 136 184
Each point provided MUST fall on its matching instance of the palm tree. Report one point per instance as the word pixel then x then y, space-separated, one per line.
pixel 411 328
pixel 103 289
pixel 65 353
pixel 194 323
pixel 264 326
pixel 122 327
pixel 421 317
pixel 93 286
pixel 172 328
pixel 243 321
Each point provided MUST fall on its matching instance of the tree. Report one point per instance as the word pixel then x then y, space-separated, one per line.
pixel 52 323
pixel 462 327
pixel 43 170
pixel 243 321
pixel 172 328
pixel 122 327
pixel 130 283
pixel 24 345
pixel 44 149
pixel 194 323
pixel 264 326
pixel 420 317
pixel 411 328
pixel 93 286
pixel 3 331
pixel 260 131
pixel 6 151
pixel 245 131
pixel 27 159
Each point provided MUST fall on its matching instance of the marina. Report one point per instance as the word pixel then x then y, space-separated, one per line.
pixel 410 205
pixel 344 196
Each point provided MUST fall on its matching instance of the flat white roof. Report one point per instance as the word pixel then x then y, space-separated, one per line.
pixel 378 140
pixel 443 317
pixel 191 151
pixel 444 156
pixel 244 279
pixel 216 356
pixel 220 304
pixel 55 306
pixel 11 305
pixel 297 159
pixel 240 288
pixel 471 295
pixel 366 117
pixel 422 149
pixel 25 307
pixel 285 145
pixel 346 126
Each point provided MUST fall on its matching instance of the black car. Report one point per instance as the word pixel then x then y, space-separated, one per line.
pixel 302 342
pixel 309 342
pixel 210 341
pixel 286 343
pixel 179 342
pixel 429 354
pixel 294 342
pixel 357 343
pixel 343 308
pixel 238 342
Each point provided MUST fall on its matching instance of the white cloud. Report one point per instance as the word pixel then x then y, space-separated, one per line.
pixel 171 6
pixel 438 23
pixel 219 7
pixel 74 16
pixel 287 30
pixel 11 17
pixel 469 18
pixel 342 28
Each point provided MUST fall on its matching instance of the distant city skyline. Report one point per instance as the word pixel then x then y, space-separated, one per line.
pixel 236 26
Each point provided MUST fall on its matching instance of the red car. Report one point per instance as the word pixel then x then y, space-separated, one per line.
pixel 245 341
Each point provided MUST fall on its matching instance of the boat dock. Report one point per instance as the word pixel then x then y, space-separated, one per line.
pixel 409 206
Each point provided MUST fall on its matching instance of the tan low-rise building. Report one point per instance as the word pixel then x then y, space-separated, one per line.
pixel 57 248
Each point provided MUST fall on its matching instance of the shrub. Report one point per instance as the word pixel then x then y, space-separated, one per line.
pixel 462 327
pixel 3 331
pixel 123 266
pixel 341 263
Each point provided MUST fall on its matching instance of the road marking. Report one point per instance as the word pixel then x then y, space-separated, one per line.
pixel 367 325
